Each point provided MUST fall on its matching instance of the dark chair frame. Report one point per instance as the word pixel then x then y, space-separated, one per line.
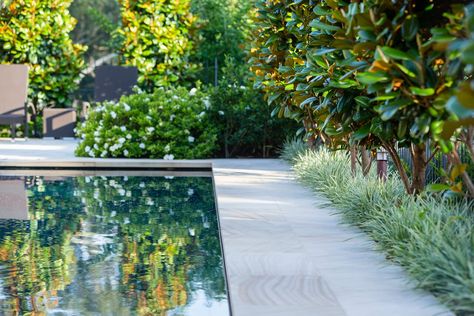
pixel 112 82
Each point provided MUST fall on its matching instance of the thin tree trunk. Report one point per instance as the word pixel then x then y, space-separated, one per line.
pixel 398 164
pixel 467 137
pixel 353 150
pixel 366 160
pixel 418 156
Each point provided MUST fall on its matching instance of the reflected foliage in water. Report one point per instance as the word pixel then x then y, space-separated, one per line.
pixel 113 246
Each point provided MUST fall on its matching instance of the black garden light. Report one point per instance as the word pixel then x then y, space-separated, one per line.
pixel 382 163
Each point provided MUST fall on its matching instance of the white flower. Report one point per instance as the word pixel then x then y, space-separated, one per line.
pixel 121 140
pixel 190 192
pixel 103 154
pixel 193 92
pixel 129 193
pixel 192 231
pixel 243 87
pixel 129 136
pixel 172 116
pixel 207 103
pixel 96 133
pixel 142 145
pixel 167 148
pixel 191 139
pixel 96 146
pixel 125 152
pixel 126 107
pixel 150 129
pixel 148 117
pixel 87 149
pixel 221 112
pixel 202 114
pixel 142 184
pixel 106 145
pixel 121 192
pixel 168 157
pixel 149 201
pixel 123 128
pixel 175 97
pixel 113 114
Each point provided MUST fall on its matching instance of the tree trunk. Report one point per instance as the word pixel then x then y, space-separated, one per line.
pixel 398 164
pixel 467 137
pixel 353 150
pixel 366 160
pixel 418 156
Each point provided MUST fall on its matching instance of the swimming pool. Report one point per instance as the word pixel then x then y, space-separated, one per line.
pixel 110 244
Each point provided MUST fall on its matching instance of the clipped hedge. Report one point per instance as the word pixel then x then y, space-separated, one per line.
pixel 169 123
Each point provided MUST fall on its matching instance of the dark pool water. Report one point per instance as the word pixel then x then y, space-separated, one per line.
pixel 110 246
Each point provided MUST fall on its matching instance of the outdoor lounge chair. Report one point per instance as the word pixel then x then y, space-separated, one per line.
pixel 13 96
pixel 111 82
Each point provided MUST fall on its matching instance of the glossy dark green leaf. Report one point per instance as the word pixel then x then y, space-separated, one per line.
pixel 410 28
pixel 395 53
pixel 316 23
pixel 423 92
pixel 361 133
pixel 372 77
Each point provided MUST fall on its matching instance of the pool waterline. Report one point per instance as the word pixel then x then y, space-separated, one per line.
pixel 106 229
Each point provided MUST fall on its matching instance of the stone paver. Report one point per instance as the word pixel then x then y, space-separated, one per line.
pixel 285 255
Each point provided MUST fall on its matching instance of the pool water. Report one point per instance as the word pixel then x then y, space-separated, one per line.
pixel 110 245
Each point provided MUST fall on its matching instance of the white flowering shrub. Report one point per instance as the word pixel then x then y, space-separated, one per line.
pixel 171 123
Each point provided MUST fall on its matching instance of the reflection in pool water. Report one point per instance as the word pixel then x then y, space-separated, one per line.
pixel 113 246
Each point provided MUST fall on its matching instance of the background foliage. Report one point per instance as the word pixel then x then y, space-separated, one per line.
pixel 157 39
pixel 242 118
pixel 223 31
pixel 98 21
pixel 37 33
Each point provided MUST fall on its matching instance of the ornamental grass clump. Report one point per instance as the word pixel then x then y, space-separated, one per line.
pixel 167 124
pixel 430 236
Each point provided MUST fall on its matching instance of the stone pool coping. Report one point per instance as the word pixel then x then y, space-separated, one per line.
pixel 118 164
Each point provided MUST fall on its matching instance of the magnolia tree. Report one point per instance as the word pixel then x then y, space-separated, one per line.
pixel 157 39
pixel 368 72
pixel 37 33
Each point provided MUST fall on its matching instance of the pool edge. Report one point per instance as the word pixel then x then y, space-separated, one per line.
pixel 109 164
pixel 221 239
